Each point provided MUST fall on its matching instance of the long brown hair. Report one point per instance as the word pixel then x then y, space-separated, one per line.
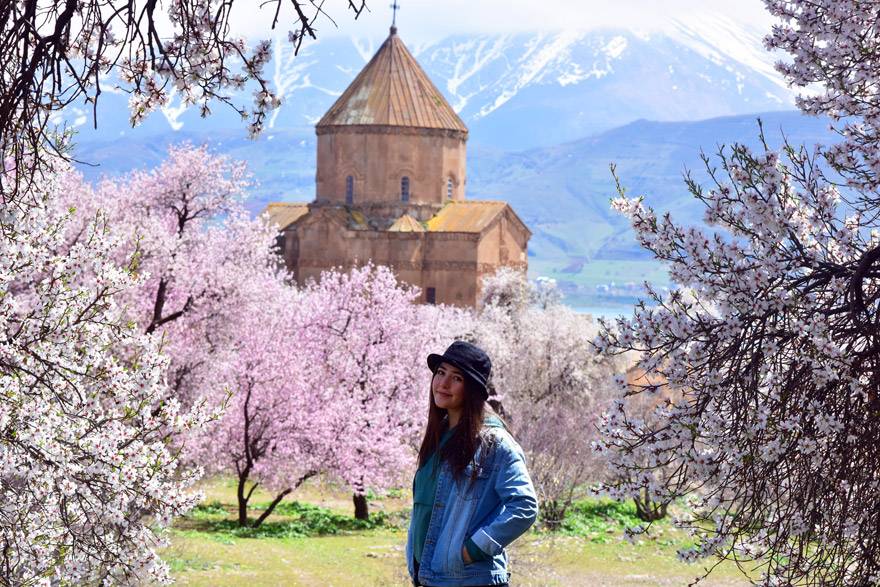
pixel 459 450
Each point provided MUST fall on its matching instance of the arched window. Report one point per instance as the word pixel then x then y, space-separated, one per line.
pixel 349 190
pixel 404 189
pixel 449 189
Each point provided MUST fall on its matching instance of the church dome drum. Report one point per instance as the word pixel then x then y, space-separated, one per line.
pixel 391 139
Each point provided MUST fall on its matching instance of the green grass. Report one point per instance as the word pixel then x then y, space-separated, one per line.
pixel 315 541
pixel 601 520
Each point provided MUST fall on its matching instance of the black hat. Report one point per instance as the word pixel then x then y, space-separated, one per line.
pixel 470 359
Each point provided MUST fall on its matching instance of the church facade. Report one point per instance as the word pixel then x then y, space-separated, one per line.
pixel 390 188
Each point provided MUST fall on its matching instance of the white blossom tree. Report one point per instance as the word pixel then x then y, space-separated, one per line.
pixel 548 382
pixel 87 479
pixel 770 340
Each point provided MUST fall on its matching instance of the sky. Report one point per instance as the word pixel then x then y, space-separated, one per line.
pixel 427 20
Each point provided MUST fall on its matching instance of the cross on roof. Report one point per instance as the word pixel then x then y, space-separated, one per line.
pixel 394 8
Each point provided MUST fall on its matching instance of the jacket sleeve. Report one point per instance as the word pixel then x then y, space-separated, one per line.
pixel 519 507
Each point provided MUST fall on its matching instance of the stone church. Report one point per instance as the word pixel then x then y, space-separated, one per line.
pixel 391 189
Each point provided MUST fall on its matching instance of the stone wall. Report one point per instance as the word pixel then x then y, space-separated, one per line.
pixel 378 157
pixel 451 263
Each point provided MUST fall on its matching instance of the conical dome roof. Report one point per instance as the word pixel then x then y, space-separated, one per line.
pixel 392 90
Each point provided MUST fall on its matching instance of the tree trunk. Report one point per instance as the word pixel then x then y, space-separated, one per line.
pixel 361 510
pixel 242 498
pixel 649 510
pixel 242 501
pixel 553 513
pixel 271 507
pixel 281 496
pixel 244 470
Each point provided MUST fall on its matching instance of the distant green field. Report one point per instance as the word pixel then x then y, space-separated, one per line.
pixel 600 272
pixel 590 553
pixel 603 284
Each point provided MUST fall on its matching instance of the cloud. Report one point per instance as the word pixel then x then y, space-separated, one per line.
pixel 428 20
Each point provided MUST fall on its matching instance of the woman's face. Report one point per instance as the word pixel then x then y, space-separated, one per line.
pixel 448 387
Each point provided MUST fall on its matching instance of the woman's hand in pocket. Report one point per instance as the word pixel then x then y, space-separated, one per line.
pixel 465 556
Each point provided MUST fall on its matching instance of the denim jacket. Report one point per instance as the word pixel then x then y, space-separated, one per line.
pixel 492 510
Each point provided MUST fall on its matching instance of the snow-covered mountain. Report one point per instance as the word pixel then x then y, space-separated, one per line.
pixel 522 90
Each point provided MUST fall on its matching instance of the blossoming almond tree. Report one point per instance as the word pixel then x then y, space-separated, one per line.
pixel 364 343
pixel 321 380
pixel 204 262
pixel 272 433
pixel 547 381
pixel 87 480
pixel 332 380
pixel 213 290
pixel 770 340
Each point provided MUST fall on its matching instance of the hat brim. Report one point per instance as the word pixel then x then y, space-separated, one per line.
pixel 434 361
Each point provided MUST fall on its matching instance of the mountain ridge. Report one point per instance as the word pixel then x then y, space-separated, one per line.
pixel 513 90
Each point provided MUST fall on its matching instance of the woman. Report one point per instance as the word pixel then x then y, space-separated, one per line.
pixel 472 495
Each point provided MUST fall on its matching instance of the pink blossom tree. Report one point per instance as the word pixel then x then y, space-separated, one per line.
pixel 273 430
pixel 213 290
pixel 770 338
pixel 364 342
pixel 87 480
pixel 203 261
pixel 331 379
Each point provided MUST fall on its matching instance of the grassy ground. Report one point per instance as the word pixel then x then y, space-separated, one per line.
pixel 307 546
